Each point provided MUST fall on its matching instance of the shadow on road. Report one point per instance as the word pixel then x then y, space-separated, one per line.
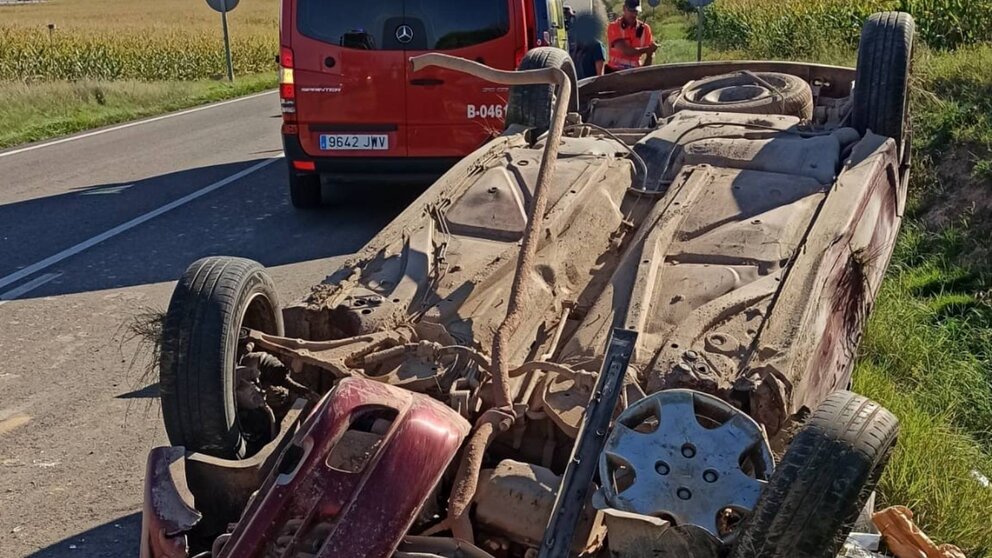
pixel 148 392
pixel 250 218
pixel 113 539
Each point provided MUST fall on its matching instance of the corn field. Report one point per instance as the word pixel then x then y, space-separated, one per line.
pixel 108 40
pixel 34 56
pixel 803 28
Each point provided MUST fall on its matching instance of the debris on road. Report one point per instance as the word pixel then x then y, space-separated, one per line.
pixel 981 478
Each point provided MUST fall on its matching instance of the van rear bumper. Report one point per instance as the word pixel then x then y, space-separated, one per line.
pixel 405 170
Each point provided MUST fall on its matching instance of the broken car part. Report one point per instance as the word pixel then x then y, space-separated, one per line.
pixel 574 490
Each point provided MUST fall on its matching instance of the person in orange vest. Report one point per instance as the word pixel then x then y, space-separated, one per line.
pixel 630 39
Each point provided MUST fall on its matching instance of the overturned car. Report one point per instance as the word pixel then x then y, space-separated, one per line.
pixel 625 327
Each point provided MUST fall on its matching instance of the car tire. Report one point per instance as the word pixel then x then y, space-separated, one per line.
pixel 531 106
pixel 881 86
pixel 212 301
pixel 817 491
pixel 304 190
pixel 791 95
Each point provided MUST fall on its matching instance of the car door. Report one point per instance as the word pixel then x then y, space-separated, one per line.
pixel 350 78
pixel 451 114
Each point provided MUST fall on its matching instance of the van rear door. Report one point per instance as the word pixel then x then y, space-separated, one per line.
pixel 451 114
pixel 350 78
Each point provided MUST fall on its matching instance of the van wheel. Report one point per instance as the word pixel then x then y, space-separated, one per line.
pixel 531 105
pixel 304 190
pixel 817 491
pixel 881 87
pixel 212 301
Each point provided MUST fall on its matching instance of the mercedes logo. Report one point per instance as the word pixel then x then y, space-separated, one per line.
pixel 404 34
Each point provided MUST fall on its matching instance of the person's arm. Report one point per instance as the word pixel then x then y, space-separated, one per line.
pixel 623 45
pixel 600 59
pixel 651 45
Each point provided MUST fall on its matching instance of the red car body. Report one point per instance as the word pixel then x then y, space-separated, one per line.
pixel 325 495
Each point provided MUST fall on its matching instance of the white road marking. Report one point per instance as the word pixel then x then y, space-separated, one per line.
pixel 131 124
pixel 89 243
pixel 27 287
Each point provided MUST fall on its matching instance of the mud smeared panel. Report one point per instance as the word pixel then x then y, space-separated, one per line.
pixel 803 356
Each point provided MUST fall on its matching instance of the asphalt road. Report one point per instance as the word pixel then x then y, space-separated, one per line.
pixel 94 230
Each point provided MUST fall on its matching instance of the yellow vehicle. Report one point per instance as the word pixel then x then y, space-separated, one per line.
pixel 550 26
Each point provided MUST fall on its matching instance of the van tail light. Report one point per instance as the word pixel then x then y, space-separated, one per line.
pixel 287 85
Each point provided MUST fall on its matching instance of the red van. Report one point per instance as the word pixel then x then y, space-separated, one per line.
pixel 351 109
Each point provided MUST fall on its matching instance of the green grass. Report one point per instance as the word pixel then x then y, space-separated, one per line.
pixel 926 356
pixel 43 110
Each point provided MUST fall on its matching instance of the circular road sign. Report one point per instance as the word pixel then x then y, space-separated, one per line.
pixel 654 3
pixel 219 5
pixel 700 3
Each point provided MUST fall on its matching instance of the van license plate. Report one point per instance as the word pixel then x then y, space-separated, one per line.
pixel 354 142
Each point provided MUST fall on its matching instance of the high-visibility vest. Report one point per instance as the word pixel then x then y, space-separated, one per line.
pixel 638 35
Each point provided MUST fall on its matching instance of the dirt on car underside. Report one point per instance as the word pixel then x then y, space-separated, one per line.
pixel 707 235
pixel 603 324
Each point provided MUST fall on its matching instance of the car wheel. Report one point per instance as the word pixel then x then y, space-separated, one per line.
pixel 816 493
pixel 531 105
pixel 304 190
pixel 212 301
pixel 881 87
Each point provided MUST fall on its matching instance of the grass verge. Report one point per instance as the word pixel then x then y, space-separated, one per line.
pixel 38 111
pixel 925 356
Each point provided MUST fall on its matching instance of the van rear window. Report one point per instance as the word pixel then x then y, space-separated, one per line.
pixel 427 24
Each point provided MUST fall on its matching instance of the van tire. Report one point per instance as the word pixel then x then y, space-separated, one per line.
pixel 818 490
pixel 881 90
pixel 212 301
pixel 531 106
pixel 304 190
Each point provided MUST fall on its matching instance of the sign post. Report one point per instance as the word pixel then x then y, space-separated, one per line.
pixel 700 5
pixel 654 4
pixel 224 6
